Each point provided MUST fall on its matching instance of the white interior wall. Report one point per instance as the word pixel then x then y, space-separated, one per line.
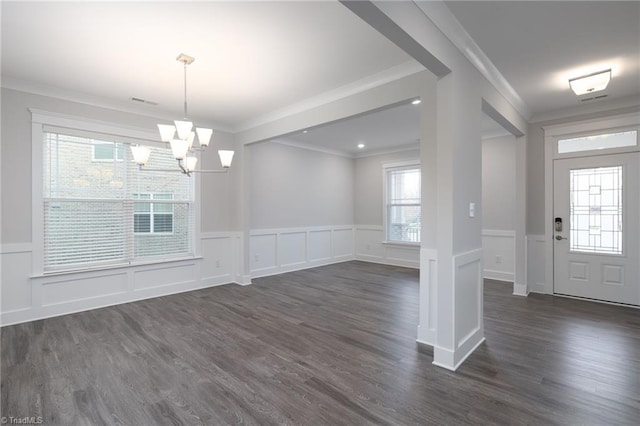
pixel 499 207
pixel 293 187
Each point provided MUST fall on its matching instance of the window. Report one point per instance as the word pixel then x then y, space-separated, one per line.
pixel 596 210
pixel 604 141
pixel 152 217
pixel 103 212
pixel 107 151
pixel 402 203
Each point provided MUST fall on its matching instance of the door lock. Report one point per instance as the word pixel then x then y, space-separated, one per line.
pixel 560 237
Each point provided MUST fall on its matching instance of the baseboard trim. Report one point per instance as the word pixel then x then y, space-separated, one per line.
pixel 497 275
pixel 520 290
pixel 449 356
pixel 387 261
pixel 51 311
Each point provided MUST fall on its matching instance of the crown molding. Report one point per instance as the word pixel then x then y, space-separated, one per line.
pixel 628 102
pixel 96 101
pixel 446 22
pixel 310 147
pixel 378 79
pixel 413 146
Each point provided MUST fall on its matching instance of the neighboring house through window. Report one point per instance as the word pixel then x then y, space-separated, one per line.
pixel 107 151
pixel 153 217
pixel 402 202
pixel 100 209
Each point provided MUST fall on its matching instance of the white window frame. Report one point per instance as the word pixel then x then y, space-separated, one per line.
pixel 386 168
pixel 80 126
pixel 152 213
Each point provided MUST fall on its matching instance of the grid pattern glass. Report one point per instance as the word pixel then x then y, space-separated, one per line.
pixel 93 213
pixel 403 205
pixel 596 210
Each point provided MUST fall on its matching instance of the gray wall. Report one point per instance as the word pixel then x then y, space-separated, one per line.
pixel 293 187
pixel 369 185
pixel 217 201
pixel 499 183
pixel 535 164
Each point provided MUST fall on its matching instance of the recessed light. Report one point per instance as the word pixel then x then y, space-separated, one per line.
pixel 415 102
pixel 360 145
pixel 305 131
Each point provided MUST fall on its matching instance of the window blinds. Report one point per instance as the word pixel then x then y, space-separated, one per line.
pixel 91 202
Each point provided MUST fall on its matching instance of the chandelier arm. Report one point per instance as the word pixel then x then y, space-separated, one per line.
pixel 142 168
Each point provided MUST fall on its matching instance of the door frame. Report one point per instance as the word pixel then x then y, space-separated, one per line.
pixel 630 121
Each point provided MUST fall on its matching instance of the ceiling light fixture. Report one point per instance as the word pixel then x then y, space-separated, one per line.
pixel 305 131
pixel 182 147
pixel 590 83
pixel 416 101
pixel 360 145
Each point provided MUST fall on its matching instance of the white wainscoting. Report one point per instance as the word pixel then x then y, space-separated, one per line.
pixel 26 298
pixel 468 325
pixel 536 264
pixel 275 251
pixel 428 296
pixel 370 247
pixel 499 249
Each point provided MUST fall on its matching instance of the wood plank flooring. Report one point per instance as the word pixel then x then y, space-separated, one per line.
pixel 326 346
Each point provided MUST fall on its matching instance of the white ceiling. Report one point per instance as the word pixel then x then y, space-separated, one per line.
pixel 397 127
pixel 254 58
pixel 251 57
pixel 539 45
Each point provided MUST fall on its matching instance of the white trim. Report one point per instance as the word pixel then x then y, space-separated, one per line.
pixel 587 108
pixel 395 73
pixel 520 290
pixel 504 233
pixel 83 98
pixel 90 125
pixel 449 356
pixel 428 297
pixel 593 125
pixel 498 275
pixel 414 146
pixel 16 248
pixel 274 257
pixel 462 346
pixel 310 147
pixel 446 22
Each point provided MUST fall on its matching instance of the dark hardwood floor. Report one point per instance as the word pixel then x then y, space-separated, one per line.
pixel 326 346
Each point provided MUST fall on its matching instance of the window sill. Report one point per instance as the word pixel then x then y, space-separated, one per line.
pixel 401 244
pixel 113 267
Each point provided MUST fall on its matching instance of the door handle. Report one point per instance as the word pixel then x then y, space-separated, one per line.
pixel 560 237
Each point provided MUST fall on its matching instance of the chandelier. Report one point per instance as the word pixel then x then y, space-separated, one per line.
pixel 182 146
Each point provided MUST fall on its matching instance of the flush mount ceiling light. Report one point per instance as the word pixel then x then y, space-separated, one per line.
pixel 360 145
pixel 590 83
pixel 182 146
pixel 415 102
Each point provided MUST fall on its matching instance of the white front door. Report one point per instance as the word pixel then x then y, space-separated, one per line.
pixel 597 227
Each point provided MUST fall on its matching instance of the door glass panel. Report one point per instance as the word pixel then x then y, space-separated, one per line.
pixel 596 210
pixel 588 143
